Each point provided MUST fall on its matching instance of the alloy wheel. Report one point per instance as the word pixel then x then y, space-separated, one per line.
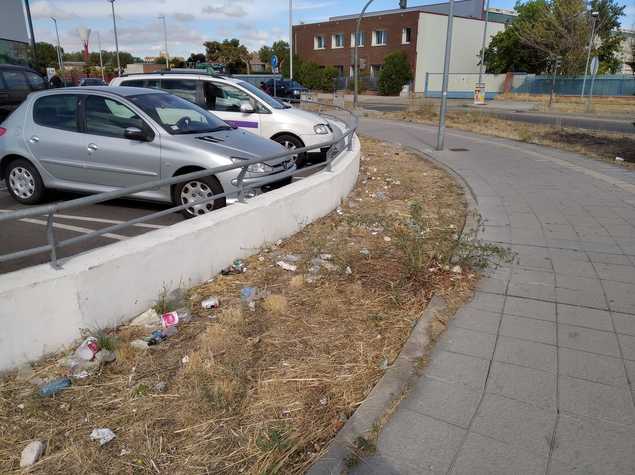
pixel 195 191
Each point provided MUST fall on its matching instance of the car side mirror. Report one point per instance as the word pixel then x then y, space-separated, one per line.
pixel 135 133
pixel 246 107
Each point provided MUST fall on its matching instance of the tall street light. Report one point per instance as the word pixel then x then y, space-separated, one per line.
pixel 165 39
pixel 480 69
pixel 446 71
pixel 101 60
pixel 291 39
pixel 60 60
pixel 114 25
pixel 595 16
pixel 402 4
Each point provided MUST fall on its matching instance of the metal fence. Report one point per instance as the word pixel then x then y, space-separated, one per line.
pixel 337 147
pixel 605 85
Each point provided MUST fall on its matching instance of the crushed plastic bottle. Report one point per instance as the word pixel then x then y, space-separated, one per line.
pixel 55 386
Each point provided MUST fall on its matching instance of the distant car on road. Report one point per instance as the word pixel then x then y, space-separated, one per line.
pixel 244 105
pixel 285 89
pixel 17 82
pixel 96 139
pixel 92 82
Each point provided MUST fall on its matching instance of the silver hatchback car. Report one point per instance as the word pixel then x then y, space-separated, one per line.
pixel 96 139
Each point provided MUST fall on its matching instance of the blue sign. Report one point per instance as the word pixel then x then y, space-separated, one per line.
pixel 274 61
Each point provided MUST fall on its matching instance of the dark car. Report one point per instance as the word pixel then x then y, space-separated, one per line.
pixel 92 82
pixel 16 82
pixel 285 89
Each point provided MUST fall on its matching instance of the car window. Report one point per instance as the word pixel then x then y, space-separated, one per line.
pixel 185 88
pixel 58 111
pixel 262 95
pixel 36 81
pixel 107 117
pixel 2 86
pixel 133 83
pixel 178 116
pixel 223 97
pixel 15 80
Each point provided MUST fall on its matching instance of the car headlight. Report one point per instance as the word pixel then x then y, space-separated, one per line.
pixel 256 167
pixel 321 129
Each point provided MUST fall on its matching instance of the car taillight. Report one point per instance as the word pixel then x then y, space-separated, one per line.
pixel 2 131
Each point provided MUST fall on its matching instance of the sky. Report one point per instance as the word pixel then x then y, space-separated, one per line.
pixel 191 22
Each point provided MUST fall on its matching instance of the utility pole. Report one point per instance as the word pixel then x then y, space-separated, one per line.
pixel 101 60
pixel 114 25
pixel 28 15
pixel 446 73
pixel 594 15
pixel 165 39
pixel 480 69
pixel 291 39
pixel 556 64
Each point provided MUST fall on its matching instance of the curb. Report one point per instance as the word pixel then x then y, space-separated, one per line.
pixel 398 378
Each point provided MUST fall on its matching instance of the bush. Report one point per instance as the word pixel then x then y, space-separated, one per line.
pixel 313 76
pixel 329 76
pixel 395 74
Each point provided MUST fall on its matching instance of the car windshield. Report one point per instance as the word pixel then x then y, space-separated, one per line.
pixel 263 96
pixel 293 85
pixel 178 116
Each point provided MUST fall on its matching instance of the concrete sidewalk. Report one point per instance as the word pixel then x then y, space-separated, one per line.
pixel 534 375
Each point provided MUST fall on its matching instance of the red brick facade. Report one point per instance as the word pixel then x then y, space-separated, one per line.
pixel 392 24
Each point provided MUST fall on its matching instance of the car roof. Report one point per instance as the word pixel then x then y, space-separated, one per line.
pixel 17 67
pixel 187 74
pixel 123 91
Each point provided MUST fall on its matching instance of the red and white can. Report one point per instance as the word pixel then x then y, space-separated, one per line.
pixel 169 319
pixel 88 349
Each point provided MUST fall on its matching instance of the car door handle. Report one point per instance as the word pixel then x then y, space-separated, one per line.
pixel 34 139
pixel 92 147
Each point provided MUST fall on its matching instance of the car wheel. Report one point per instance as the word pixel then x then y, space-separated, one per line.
pixel 290 142
pixel 195 190
pixel 24 182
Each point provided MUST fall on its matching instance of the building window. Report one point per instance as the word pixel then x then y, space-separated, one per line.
pixel 406 35
pixel 337 40
pixel 375 69
pixel 380 38
pixel 318 42
pixel 360 39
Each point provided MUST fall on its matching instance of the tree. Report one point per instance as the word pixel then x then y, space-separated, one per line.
pixel 231 53
pixel 395 73
pixel 281 50
pixel 505 51
pixel 46 56
pixel 548 28
pixel 196 58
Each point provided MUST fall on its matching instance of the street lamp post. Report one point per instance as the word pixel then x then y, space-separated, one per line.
pixel 480 69
pixel 402 4
pixel 446 72
pixel 165 39
pixel 291 39
pixel 114 25
pixel 588 56
pixel 60 58
pixel 101 60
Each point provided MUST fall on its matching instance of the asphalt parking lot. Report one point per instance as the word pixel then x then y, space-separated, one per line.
pixel 28 233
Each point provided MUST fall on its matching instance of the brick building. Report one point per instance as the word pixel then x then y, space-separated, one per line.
pixel 417 31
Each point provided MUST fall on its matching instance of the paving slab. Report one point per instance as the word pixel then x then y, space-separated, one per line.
pixel 536 373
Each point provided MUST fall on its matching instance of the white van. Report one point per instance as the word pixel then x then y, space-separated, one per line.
pixel 243 105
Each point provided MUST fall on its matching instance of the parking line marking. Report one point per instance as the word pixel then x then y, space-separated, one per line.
pixel 77 229
pixel 98 220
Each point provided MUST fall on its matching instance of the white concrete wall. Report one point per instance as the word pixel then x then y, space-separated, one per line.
pixel 42 310
pixel 458 83
pixel 467 36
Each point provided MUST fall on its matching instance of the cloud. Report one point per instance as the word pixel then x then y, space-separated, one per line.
pixel 184 17
pixel 233 9
pixel 44 9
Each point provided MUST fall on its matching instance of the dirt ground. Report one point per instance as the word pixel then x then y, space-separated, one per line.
pixel 260 387
pixel 598 145
pixel 605 106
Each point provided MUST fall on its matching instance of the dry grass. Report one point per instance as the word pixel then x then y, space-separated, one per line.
pixel 599 145
pixel 573 104
pixel 261 391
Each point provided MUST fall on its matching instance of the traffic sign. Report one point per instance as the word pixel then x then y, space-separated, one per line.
pixel 274 61
pixel 595 64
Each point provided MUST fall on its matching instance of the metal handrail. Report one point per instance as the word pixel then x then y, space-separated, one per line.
pixel 51 209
